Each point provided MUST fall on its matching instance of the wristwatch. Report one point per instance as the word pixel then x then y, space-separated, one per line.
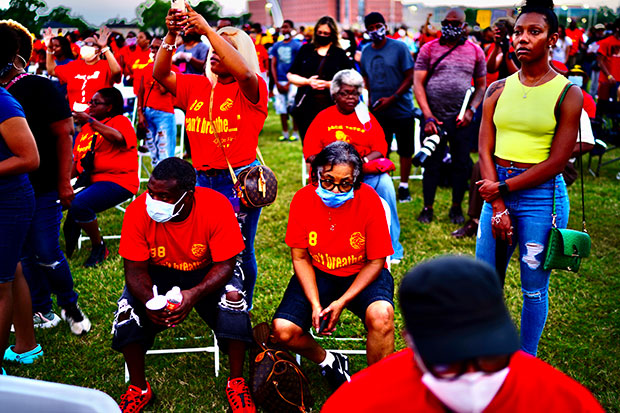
pixel 503 189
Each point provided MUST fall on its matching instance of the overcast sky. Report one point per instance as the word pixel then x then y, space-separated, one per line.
pixel 99 11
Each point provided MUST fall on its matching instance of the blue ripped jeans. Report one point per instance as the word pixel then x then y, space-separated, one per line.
pixel 530 211
pixel 45 267
pixel 248 221
pixel 161 138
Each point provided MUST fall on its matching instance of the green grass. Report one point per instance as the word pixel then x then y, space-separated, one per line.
pixel 581 337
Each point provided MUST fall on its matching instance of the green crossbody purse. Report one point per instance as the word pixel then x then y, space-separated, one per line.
pixel 566 247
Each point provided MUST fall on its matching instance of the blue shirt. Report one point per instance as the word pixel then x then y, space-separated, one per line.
pixel 9 108
pixel 284 53
pixel 385 70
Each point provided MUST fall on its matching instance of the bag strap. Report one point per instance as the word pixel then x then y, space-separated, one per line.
pixel 431 71
pixel 583 202
pixel 219 141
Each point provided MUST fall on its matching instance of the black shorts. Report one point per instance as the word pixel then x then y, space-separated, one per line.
pixel 296 308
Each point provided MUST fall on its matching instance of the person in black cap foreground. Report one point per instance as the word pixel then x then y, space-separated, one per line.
pixel 463 353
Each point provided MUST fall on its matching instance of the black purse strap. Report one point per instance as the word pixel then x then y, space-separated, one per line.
pixel 583 202
pixel 431 71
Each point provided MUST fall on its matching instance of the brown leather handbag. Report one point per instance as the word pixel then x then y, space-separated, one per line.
pixel 255 186
pixel 276 380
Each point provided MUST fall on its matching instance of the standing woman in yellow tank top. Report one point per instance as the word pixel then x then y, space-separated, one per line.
pixel 528 130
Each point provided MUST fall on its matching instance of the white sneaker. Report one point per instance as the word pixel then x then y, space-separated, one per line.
pixel 48 320
pixel 78 322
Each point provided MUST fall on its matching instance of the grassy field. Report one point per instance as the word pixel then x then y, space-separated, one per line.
pixel 581 337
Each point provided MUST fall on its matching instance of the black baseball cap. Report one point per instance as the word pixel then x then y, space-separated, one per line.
pixel 454 310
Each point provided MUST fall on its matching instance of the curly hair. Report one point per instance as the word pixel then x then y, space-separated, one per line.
pixel 338 153
pixel 24 38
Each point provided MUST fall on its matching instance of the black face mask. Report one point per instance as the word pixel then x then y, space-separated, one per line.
pixel 322 40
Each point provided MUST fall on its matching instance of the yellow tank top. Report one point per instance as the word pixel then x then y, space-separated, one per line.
pixel 525 126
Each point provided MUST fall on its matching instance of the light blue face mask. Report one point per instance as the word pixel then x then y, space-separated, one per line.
pixel 333 199
pixel 578 80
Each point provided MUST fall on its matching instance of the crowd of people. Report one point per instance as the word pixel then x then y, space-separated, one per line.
pixel 65 144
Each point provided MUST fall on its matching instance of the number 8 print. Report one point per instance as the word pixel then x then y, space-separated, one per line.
pixel 312 238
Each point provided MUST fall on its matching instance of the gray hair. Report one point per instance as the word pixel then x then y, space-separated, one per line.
pixel 347 77
pixel 338 153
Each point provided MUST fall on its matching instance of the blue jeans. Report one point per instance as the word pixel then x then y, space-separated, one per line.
pixel 382 184
pixel 97 197
pixel 16 209
pixel 530 211
pixel 45 267
pixel 248 222
pixel 161 138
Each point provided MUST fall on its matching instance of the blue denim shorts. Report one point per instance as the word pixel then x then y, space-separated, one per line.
pixel 296 308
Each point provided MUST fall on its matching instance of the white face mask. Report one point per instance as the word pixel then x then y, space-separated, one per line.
pixel 469 393
pixel 161 211
pixel 88 52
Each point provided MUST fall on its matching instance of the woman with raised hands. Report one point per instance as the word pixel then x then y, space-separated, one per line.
pixel 87 75
pixel 224 113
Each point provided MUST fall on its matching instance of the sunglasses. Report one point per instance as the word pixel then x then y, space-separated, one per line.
pixel 342 186
pixel 452 371
pixel 453 23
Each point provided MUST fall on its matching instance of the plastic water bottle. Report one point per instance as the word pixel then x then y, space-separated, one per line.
pixel 174 298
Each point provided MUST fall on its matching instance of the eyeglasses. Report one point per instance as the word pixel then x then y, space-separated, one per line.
pixel 453 23
pixel 344 94
pixel 344 186
pixel 96 102
pixel 452 371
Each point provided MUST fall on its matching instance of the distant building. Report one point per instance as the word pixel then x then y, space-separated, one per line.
pixel 348 13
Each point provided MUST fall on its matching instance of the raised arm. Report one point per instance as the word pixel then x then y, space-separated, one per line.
pixel 229 56
pixel 21 143
pixel 115 68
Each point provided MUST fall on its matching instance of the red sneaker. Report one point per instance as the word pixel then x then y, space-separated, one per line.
pixel 239 396
pixel 133 401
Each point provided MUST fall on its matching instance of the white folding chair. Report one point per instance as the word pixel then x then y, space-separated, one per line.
pixel 179 120
pixel 209 349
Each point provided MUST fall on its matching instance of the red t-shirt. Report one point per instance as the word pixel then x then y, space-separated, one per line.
pixel 394 385
pixel 610 49
pixel 84 80
pixel 237 120
pixel 331 125
pixel 209 234
pixel 577 37
pixel 263 57
pixel 339 240
pixel 113 163
pixel 589 105
pixel 153 96
pixel 140 59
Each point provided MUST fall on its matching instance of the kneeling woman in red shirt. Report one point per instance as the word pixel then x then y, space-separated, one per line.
pixel 110 142
pixel 339 240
